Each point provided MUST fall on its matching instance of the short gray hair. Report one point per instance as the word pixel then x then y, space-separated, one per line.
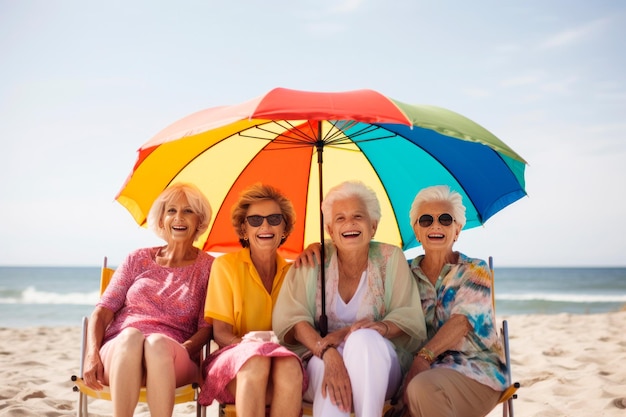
pixel 439 193
pixel 346 190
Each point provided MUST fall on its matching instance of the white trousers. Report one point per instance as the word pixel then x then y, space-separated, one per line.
pixel 374 371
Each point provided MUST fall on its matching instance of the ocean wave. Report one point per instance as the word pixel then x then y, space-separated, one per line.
pixel 31 295
pixel 564 298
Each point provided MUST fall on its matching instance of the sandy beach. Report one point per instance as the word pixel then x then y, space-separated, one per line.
pixel 568 365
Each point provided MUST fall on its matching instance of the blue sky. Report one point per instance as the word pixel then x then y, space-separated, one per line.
pixel 84 84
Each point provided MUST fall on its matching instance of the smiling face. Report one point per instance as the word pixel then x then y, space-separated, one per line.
pixel 179 221
pixel 350 226
pixel 436 237
pixel 264 237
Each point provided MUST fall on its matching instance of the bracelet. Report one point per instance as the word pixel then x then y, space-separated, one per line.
pixel 386 328
pixel 427 355
pixel 321 355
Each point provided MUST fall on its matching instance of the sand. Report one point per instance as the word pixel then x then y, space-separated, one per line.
pixel 568 365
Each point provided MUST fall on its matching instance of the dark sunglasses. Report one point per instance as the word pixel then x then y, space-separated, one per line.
pixel 426 220
pixel 257 220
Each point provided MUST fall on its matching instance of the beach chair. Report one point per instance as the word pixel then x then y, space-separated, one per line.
pixel 183 394
pixel 510 393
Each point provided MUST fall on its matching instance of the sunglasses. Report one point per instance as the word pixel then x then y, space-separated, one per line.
pixel 426 220
pixel 257 220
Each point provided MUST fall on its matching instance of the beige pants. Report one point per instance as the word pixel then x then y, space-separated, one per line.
pixel 447 393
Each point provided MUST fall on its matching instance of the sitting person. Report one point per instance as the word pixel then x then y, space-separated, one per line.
pixel 375 321
pixel 148 327
pixel 251 369
pixel 460 371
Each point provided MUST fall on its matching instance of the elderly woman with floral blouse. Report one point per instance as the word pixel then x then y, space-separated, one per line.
pixel 459 371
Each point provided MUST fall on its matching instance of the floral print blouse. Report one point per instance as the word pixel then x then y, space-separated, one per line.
pixel 465 288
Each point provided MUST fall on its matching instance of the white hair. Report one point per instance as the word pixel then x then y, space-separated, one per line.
pixel 439 193
pixel 346 190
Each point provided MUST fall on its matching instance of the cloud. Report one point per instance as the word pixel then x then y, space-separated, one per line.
pixel 575 35
pixel 346 6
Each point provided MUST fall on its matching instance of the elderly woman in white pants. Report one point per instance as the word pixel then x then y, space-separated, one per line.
pixel 375 320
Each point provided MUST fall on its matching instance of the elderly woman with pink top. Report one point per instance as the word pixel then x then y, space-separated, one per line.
pixel 148 328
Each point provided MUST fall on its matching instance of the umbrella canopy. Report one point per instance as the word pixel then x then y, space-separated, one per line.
pixel 303 143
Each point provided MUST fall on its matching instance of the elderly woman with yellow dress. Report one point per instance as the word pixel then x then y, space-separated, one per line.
pixel 375 321
pixel 251 369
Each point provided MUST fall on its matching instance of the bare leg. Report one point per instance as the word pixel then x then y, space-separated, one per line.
pixel 252 379
pixel 125 371
pixel 167 366
pixel 286 387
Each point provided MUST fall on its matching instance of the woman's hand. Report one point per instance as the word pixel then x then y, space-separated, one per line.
pixel 198 341
pixel 336 382
pixel 309 256
pixel 419 365
pixel 331 339
pixel 379 326
pixel 93 371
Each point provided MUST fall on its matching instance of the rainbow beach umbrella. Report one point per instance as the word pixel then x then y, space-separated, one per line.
pixel 306 142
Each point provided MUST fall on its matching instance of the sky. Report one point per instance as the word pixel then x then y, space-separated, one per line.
pixel 84 84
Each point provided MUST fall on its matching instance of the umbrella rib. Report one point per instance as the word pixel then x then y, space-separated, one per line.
pixel 298 137
pixel 334 137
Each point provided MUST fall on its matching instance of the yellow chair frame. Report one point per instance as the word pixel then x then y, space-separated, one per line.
pixel 182 394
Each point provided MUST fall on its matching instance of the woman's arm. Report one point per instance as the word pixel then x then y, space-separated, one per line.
pixel 449 336
pixel 306 335
pixel 386 328
pixel 223 334
pixel 197 341
pixel 93 370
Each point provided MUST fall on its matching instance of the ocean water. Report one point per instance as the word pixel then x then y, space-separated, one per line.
pixel 60 296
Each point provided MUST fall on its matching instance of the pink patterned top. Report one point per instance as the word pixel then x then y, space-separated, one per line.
pixel 157 299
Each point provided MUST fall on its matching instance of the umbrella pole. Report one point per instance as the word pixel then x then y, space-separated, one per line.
pixel 323 324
